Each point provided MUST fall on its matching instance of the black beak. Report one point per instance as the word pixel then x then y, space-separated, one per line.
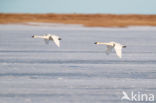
pixel 95 43
pixel 33 36
pixel 59 39
pixel 124 46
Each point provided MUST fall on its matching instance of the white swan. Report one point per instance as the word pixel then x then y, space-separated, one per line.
pixel 48 37
pixel 117 46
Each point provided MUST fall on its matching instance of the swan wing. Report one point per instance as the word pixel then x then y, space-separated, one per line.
pixel 109 49
pixel 118 50
pixel 56 40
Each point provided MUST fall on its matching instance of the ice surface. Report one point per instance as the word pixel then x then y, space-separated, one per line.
pixel 79 71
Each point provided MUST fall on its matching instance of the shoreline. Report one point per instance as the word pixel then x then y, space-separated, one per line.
pixel 88 20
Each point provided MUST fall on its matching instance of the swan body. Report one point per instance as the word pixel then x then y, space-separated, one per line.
pixel 48 37
pixel 117 46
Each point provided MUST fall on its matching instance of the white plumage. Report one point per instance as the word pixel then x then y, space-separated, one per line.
pixel 117 46
pixel 48 37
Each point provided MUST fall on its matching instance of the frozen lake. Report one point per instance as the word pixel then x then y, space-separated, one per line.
pixel 79 71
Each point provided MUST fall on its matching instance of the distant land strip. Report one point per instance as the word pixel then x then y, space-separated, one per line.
pixel 91 20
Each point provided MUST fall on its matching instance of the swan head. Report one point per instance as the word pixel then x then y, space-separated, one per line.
pixel 59 38
pixel 124 46
pixel 96 43
pixel 34 36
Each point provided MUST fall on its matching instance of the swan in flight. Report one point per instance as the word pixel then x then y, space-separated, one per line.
pixel 49 37
pixel 117 46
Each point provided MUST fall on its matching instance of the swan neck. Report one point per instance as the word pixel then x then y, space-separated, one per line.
pixel 36 36
pixel 102 43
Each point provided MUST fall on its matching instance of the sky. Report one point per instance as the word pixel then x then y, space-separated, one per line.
pixel 79 6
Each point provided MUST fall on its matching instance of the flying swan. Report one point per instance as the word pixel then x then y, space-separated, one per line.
pixel 49 37
pixel 117 46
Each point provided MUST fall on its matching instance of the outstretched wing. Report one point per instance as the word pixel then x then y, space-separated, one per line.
pixel 56 40
pixel 109 49
pixel 118 50
pixel 46 41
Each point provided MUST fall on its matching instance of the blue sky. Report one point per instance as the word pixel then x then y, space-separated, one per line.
pixel 79 6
